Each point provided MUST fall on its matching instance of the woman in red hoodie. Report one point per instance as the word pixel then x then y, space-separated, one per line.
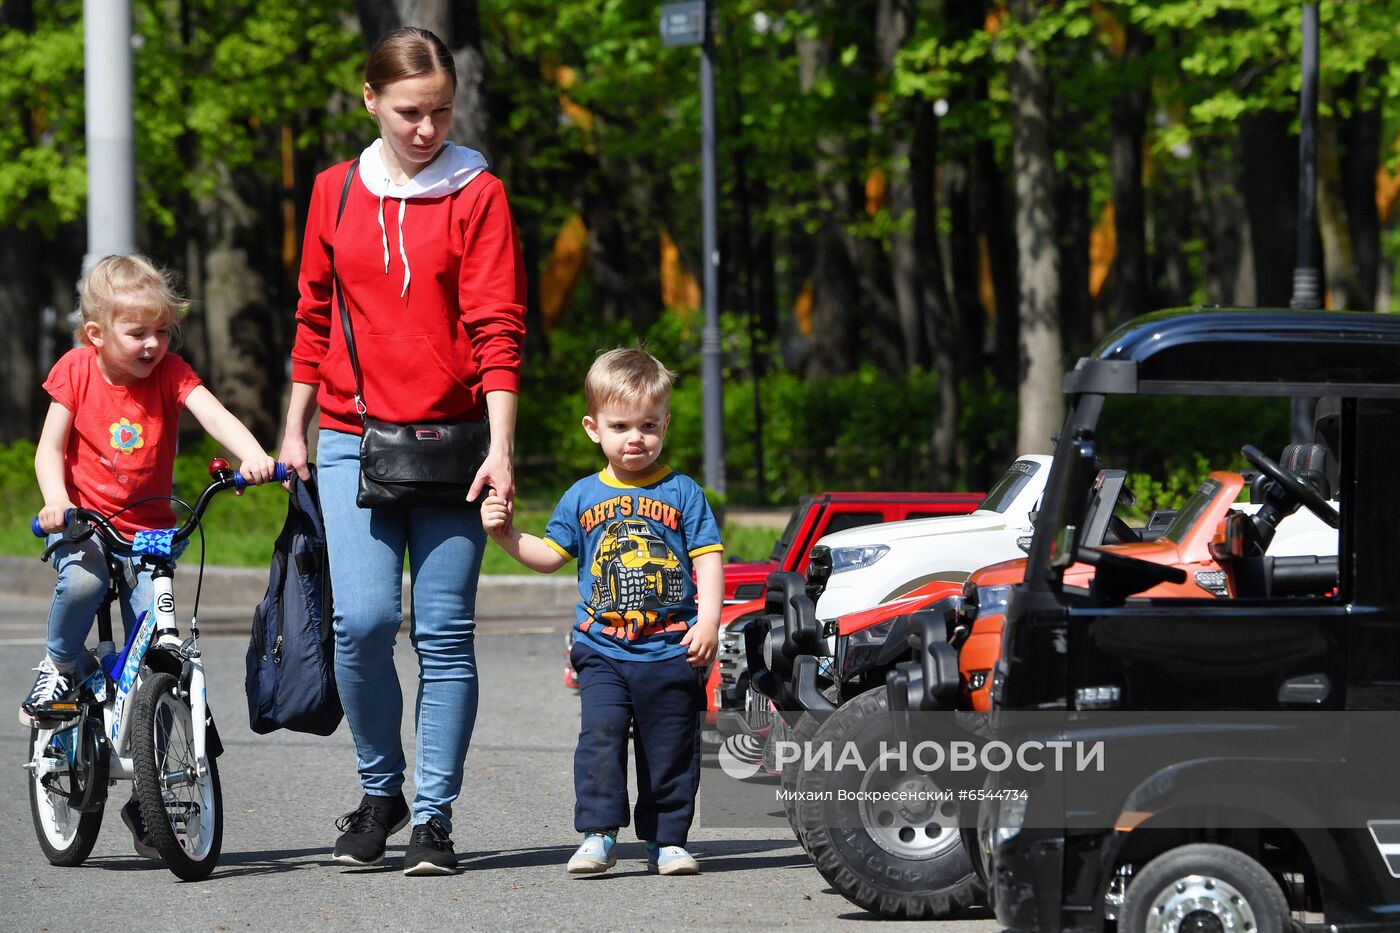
pixel 429 265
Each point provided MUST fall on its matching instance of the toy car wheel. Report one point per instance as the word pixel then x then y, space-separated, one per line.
pixel 1204 887
pixel 881 835
pixel 801 733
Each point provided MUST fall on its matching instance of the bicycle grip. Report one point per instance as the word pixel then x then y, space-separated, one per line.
pixel 39 532
pixel 279 475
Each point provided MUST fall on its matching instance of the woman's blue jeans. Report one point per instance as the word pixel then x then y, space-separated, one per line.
pixel 367 548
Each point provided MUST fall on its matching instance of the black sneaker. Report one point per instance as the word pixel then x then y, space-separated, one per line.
pixel 140 836
pixel 53 698
pixel 365 829
pixel 430 850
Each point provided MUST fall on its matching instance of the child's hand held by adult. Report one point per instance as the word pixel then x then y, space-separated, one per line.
pixel 496 514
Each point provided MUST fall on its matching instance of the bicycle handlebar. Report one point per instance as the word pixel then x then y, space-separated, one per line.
pixel 224 478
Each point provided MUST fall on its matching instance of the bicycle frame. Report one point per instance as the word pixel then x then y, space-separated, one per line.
pixel 156 628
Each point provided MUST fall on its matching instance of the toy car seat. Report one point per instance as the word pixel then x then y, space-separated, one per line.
pixel 1313 464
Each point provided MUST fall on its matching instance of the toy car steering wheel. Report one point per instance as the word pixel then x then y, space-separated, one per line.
pixel 1294 486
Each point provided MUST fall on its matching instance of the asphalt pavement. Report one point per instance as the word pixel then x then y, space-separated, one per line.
pixel 513 824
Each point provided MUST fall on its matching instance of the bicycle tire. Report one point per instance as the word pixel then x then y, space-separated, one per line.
pixel 185 819
pixel 65 835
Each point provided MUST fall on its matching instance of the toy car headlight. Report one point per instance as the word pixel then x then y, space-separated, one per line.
pixel 854 558
pixel 875 635
pixel 992 600
pixel 1010 816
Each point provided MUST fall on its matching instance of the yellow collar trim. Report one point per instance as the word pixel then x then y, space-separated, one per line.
pixel 609 480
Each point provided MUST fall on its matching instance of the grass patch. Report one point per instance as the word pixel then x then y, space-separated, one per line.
pixel 748 542
pixel 239 530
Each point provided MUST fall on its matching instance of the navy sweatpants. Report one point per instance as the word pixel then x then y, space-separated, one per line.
pixel 664 704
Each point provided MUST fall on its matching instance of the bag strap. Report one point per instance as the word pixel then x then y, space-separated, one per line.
pixel 340 301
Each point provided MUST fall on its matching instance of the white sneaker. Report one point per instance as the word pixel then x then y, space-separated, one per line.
pixel 594 856
pixel 671 860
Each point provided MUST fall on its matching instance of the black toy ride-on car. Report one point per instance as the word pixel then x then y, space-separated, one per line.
pixel 1249 743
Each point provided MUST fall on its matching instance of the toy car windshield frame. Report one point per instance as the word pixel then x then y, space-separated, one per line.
pixel 1213 352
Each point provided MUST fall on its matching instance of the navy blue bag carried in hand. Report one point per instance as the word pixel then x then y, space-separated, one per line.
pixel 291 656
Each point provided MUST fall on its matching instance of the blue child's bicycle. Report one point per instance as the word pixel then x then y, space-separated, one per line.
pixel 141 716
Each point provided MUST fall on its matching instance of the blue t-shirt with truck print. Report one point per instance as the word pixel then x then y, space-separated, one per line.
pixel 634 543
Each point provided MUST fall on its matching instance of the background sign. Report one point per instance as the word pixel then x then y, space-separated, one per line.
pixel 683 23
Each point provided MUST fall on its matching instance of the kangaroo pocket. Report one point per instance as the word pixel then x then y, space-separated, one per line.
pixel 407 380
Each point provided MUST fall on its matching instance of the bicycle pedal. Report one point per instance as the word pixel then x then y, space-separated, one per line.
pixel 53 717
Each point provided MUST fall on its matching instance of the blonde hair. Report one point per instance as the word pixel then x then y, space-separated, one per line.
pixel 128 286
pixel 626 375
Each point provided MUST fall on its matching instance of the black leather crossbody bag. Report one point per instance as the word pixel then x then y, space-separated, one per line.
pixel 409 465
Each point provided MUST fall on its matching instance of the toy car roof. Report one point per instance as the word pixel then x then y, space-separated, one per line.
pixel 1236 351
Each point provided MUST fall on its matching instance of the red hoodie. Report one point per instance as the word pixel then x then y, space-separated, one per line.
pixel 433 343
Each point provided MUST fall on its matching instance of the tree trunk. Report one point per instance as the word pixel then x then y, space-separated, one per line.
pixel 623 243
pixel 833 346
pixel 910 157
pixel 1361 138
pixel 1076 305
pixel 1343 284
pixel 242 300
pixel 969 319
pixel 1040 405
pixel 1172 278
pixel 21 291
pixel 1269 178
pixel 471 112
pixel 996 206
pixel 378 17
pixel 1128 125
pixel 1222 218
pixel 942 327
pixel 21 313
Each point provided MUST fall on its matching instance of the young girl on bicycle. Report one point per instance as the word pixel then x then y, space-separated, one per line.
pixel 108 444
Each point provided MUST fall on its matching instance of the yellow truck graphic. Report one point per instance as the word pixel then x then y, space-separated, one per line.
pixel 631 565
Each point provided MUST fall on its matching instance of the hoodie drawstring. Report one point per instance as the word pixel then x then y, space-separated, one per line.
pixel 403 253
pixel 384 242
pixel 383 235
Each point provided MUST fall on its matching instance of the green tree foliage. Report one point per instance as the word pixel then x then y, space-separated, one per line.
pixel 213 73
pixel 848 132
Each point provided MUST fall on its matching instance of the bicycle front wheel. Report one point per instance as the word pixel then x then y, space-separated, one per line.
pixel 182 809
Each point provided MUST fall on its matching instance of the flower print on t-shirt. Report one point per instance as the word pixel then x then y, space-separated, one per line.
pixel 126 437
pixel 120 455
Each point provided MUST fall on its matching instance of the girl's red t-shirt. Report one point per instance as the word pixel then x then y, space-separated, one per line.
pixel 121 447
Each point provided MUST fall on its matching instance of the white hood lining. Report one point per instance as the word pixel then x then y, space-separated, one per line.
pixel 454 167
